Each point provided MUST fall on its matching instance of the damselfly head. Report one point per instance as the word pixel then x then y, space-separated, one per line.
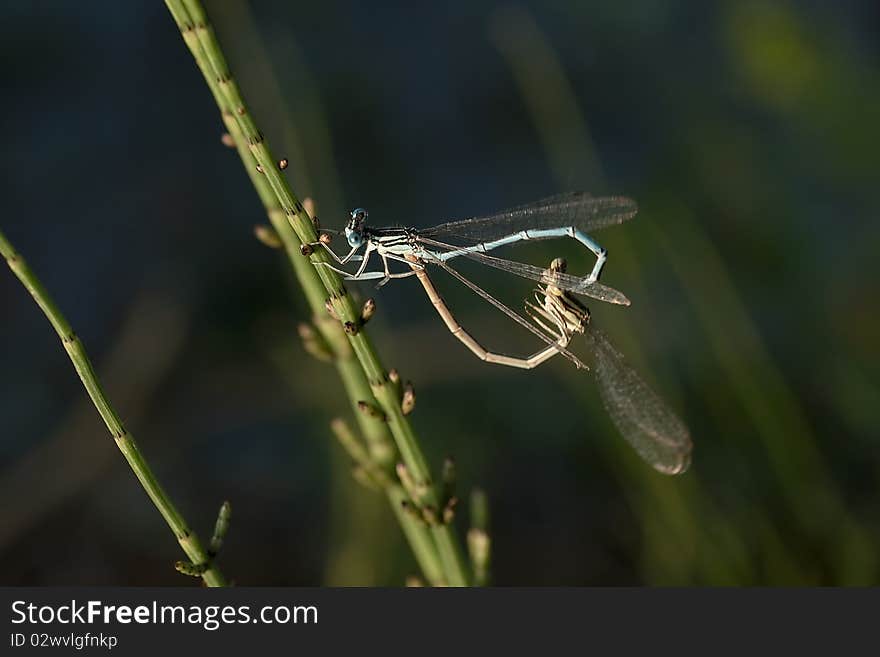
pixel 558 264
pixel 561 309
pixel 354 230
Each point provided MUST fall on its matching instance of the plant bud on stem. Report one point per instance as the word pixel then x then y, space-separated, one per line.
pixel 408 403
pixel 267 236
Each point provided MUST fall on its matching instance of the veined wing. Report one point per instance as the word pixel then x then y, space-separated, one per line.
pixel 571 209
pixel 641 416
pixel 567 282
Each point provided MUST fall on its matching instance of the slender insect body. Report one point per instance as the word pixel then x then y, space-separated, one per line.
pixel 399 241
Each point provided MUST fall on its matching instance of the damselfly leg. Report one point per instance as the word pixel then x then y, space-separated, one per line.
pixel 553 348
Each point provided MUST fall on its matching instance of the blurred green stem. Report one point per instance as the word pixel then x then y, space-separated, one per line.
pixel 479 542
pixel 370 381
pixel 124 440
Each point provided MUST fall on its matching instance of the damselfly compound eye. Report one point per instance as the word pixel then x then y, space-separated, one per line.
pixel 355 237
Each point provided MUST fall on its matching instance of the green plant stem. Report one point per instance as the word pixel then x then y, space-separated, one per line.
pixel 417 535
pixel 295 228
pixel 124 440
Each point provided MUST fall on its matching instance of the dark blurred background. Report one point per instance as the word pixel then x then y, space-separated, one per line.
pixel 748 133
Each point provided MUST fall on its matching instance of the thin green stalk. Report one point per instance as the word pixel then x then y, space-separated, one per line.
pixel 295 228
pixel 420 540
pixel 356 385
pixel 479 542
pixel 124 440
pixel 373 476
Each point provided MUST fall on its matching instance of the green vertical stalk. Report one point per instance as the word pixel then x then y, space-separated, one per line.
pixel 124 440
pixel 295 228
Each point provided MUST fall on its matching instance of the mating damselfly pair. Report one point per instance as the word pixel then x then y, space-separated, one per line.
pixel 644 420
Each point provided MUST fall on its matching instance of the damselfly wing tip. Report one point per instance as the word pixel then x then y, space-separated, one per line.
pixel 678 467
pixel 618 298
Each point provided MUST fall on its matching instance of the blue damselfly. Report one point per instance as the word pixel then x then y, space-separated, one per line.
pixel 566 215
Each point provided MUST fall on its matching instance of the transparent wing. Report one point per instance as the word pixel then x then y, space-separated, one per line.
pixel 571 209
pixel 645 421
pixel 567 282
pixel 510 313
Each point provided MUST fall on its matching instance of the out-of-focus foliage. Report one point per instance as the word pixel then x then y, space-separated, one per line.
pixel 748 133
